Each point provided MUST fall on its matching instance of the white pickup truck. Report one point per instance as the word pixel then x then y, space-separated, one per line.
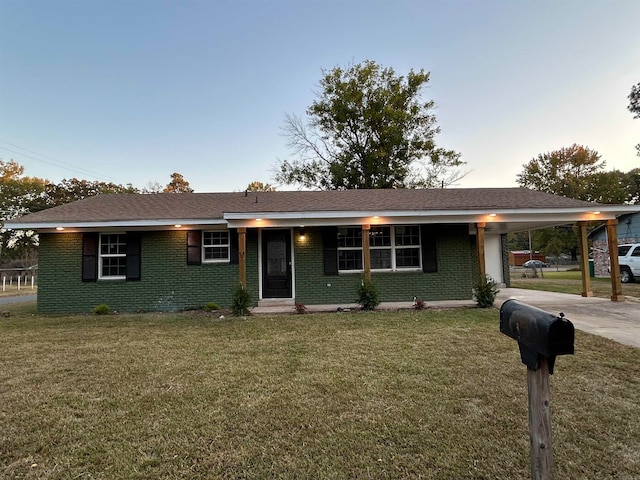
pixel 629 259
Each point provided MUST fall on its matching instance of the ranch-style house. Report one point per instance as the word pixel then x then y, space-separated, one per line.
pixel 163 252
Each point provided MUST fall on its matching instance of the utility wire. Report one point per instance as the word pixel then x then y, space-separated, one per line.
pixel 69 166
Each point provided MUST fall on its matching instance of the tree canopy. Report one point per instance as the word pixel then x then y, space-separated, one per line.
pixel 634 105
pixel 178 184
pixel 578 172
pixel 256 186
pixel 562 172
pixel 367 128
pixel 20 195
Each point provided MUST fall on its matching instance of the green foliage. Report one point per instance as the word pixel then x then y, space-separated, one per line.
pixel 21 195
pixel 485 292
pixel 241 301
pixel 562 172
pixel 178 185
pixel 102 309
pixel 72 189
pixel 211 306
pixel 256 186
pixel 577 172
pixel 367 128
pixel 368 296
pixel 634 106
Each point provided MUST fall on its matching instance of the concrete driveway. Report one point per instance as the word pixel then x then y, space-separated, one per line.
pixel 619 321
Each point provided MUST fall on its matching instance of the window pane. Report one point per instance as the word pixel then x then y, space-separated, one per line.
pixel 380 259
pixel 114 266
pixel 380 236
pixel 407 235
pixel 349 237
pixel 215 238
pixel 622 251
pixel 408 257
pixel 216 253
pixel 113 244
pixel 350 260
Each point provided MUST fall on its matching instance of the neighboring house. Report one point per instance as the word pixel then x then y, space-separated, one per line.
pixel 180 251
pixel 628 232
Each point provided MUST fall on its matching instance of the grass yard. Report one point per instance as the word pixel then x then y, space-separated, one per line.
pixel 12 290
pixel 570 282
pixel 430 394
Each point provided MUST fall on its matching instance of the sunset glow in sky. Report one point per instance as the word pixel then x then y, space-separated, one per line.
pixel 131 91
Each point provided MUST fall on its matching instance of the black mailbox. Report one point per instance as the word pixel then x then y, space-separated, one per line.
pixel 537 332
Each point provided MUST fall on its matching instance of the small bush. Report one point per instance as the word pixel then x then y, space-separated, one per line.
pixel 211 306
pixel 485 292
pixel 300 308
pixel 102 309
pixel 368 296
pixel 241 300
pixel 420 305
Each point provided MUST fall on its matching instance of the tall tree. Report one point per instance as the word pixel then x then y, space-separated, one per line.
pixel 562 172
pixel 19 195
pixel 633 182
pixel 260 187
pixel 367 128
pixel 608 187
pixel 178 184
pixel 634 106
pixel 70 190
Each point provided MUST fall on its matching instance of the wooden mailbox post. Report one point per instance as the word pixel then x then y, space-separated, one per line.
pixel 541 337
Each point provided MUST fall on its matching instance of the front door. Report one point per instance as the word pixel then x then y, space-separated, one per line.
pixel 276 263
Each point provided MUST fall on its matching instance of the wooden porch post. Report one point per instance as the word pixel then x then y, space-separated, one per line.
pixel 242 256
pixel 482 268
pixel 612 240
pixel 584 259
pixel 366 252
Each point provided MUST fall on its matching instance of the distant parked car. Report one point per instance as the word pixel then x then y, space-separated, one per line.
pixel 534 264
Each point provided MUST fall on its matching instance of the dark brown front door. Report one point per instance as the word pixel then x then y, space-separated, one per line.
pixel 276 264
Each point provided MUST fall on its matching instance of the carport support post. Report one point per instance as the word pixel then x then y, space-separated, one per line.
pixel 612 240
pixel 482 268
pixel 242 256
pixel 366 253
pixel 540 421
pixel 584 259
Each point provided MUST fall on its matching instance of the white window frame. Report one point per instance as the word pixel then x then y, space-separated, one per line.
pixel 102 256
pixel 215 245
pixel 356 249
pixel 393 248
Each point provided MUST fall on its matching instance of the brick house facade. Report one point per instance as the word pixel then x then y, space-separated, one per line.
pixel 167 252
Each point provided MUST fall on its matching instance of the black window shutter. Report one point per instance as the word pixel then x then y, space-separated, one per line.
pixel 90 257
pixel 429 253
pixel 194 247
pixel 233 245
pixel 330 250
pixel 133 256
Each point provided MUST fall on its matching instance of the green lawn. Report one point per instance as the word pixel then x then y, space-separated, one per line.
pixel 570 282
pixel 12 290
pixel 430 394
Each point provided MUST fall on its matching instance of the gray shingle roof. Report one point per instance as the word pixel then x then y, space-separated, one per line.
pixel 210 206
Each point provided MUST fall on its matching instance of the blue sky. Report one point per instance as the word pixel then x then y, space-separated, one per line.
pixel 131 91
